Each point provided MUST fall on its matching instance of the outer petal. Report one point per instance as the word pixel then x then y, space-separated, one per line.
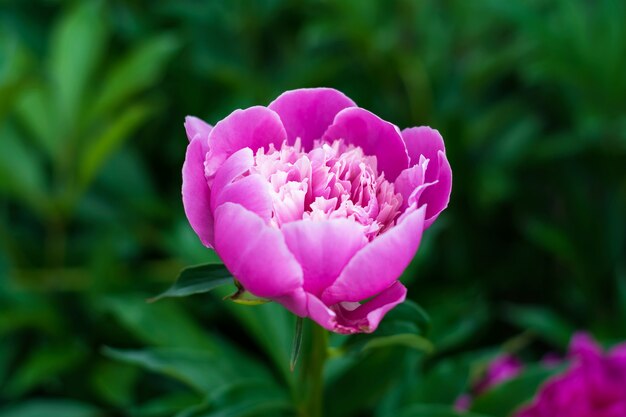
pixel 196 193
pixel 256 127
pixel 197 129
pixel 295 301
pixel 363 318
pixel 251 192
pixel 429 143
pixel 255 253
pixel 377 137
pixel 307 112
pixel 380 263
pixel 323 248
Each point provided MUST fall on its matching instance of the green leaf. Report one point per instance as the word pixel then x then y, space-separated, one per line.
pixel 35 111
pixel 114 382
pixel 161 324
pixel 197 279
pixel 98 150
pixel 170 404
pixel 297 344
pixel 505 398
pixel 42 365
pixel 78 43
pixel 404 325
pixel 435 410
pixel 201 370
pixel 404 339
pixel 543 322
pixel 137 71
pixel 247 399
pixel 21 174
pixel 51 407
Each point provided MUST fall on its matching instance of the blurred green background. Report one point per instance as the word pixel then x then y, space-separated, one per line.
pixel 530 97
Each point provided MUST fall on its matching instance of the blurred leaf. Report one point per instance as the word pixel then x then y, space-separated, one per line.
pixel 35 109
pixel 249 399
pixel 274 339
pixel 161 324
pixel 51 407
pixel 21 174
pixel 44 364
pixel 435 410
pixel 137 71
pixel 78 43
pixel 114 382
pixel 8 351
pixel 98 150
pixel 201 370
pixel 196 280
pixel 169 404
pixel 503 399
pixel 352 390
pixel 543 322
pixel 410 340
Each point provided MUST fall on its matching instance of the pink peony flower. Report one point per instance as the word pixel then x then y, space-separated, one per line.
pixel 315 203
pixel 499 370
pixel 593 386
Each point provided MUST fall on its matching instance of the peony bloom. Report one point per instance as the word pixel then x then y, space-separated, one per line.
pixel 315 203
pixel 593 386
pixel 499 370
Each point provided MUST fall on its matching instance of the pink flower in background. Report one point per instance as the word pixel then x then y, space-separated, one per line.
pixel 315 203
pixel 499 370
pixel 593 386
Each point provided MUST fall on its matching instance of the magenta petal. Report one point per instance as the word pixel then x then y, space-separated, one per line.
pixel 323 248
pixel 410 184
pixel 295 301
pixel 306 113
pixel 375 136
pixel 363 318
pixel 367 316
pixel 196 193
pixel 256 127
pixel 427 142
pixel 197 129
pixel 251 192
pixel 254 252
pixel 379 263
pixel 437 196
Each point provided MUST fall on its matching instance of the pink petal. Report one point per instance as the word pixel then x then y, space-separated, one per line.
pixel 255 253
pixel 323 248
pixel 306 113
pixel 256 127
pixel 197 129
pixel 196 193
pixel 251 192
pixel 437 196
pixel 363 318
pixel 380 263
pixel 410 183
pixel 428 142
pixel 295 301
pixel 375 136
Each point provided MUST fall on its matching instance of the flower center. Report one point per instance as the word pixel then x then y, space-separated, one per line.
pixel 331 181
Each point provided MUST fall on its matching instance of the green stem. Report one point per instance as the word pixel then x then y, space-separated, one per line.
pixel 312 375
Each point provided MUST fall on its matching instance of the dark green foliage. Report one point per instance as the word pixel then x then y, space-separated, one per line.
pixel 529 96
